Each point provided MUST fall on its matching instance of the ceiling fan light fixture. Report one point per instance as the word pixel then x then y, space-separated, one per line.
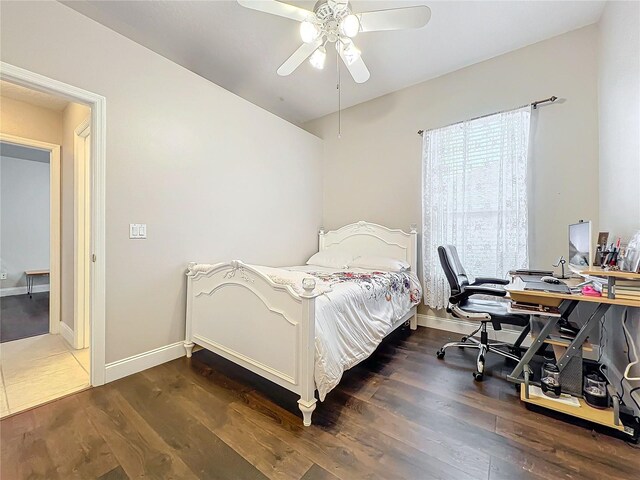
pixel 349 51
pixel 318 58
pixel 308 31
pixel 350 25
pixel 338 5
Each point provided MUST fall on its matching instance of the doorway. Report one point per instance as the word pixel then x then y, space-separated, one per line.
pixel 39 360
pixel 87 211
pixel 30 238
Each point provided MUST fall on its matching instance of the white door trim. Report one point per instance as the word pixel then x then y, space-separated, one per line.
pixel 81 236
pixel 54 222
pixel 98 105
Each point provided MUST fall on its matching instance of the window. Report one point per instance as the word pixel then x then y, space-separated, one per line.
pixel 475 197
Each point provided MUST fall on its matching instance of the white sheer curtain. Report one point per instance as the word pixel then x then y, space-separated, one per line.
pixel 474 196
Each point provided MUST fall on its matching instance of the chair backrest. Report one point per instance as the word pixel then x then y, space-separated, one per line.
pixel 453 269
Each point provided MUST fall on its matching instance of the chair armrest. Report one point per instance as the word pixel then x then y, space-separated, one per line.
pixel 484 280
pixel 477 290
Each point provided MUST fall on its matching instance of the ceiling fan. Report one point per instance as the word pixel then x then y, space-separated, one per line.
pixel 332 21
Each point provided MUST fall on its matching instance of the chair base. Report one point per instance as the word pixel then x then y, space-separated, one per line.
pixel 483 346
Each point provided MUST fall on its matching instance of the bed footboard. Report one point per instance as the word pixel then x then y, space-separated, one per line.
pixel 242 315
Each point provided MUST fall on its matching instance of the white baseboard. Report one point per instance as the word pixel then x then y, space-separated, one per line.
pixel 10 291
pixel 143 361
pixel 67 333
pixel 463 327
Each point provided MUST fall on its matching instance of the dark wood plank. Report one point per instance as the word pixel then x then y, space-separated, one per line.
pixel 400 414
pixel 57 441
pixel 77 448
pixel 485 441
pixel 139 449
pixel 318 473
pixel 501 470
pixel 265 451
pixel 200 449
pixel 24 450
pixel 571 454
pixel 429 443
pixel 117 473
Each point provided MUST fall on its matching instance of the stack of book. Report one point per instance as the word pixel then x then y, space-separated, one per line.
pixel 624 289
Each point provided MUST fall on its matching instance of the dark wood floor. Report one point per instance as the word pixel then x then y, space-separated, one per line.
pixel 402 414
pixel 22 317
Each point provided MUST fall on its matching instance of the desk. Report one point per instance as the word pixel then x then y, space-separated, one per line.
pixel 566 303
pixel 519 294
pixel 31 274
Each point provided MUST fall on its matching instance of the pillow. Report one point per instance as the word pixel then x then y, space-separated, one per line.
pixel 332 259
pixel 385 264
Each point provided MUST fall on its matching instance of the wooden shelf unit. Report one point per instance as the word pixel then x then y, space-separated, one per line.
pixel 584 411
pixel 612 273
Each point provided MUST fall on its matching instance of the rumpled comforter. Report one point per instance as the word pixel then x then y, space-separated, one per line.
pixel 354 312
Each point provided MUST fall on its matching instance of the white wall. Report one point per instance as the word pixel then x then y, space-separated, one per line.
pixel 619 112
pixel 24 214
pixel 213 176
pixel 374 171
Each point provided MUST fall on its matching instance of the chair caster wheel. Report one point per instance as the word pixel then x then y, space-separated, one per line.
pixel 440 354
pixel 477 376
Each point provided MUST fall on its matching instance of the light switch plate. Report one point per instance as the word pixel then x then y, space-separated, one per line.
pixel 137 230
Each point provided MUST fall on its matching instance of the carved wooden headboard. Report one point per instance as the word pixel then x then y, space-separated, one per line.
pixel 367 238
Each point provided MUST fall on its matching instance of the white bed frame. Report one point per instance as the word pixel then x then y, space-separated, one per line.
pixel 240 314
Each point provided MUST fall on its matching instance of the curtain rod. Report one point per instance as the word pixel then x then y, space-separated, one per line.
pixel 534 105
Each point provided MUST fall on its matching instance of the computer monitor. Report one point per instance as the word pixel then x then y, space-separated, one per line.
pixel 580 253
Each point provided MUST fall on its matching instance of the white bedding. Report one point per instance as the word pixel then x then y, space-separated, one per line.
pixel 353 315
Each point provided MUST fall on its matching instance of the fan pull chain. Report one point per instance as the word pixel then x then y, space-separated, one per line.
pixel 338 86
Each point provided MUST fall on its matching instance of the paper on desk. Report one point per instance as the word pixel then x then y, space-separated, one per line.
pixel 564 398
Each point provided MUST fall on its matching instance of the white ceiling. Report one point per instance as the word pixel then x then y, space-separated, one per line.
pixel 32 97
pixel 241 49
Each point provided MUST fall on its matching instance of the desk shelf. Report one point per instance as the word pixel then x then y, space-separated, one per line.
pixel 584 411
pixel 517 293
pixel 612 273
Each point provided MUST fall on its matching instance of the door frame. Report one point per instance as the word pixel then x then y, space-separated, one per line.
pixel 54 222
pixel 97 103
pixel 81 236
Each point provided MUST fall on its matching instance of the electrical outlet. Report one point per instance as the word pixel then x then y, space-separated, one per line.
pixel 3 276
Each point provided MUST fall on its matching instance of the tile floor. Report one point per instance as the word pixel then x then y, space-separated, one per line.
pixel 38 369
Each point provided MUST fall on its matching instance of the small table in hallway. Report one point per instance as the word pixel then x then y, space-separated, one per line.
pixel 31 274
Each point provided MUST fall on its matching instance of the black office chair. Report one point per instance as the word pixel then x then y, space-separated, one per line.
pixel 462 305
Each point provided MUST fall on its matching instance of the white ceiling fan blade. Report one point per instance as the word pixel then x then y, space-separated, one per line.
pixel 299 56
pixel 278 8
pixel 394 19
pixel 357 67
